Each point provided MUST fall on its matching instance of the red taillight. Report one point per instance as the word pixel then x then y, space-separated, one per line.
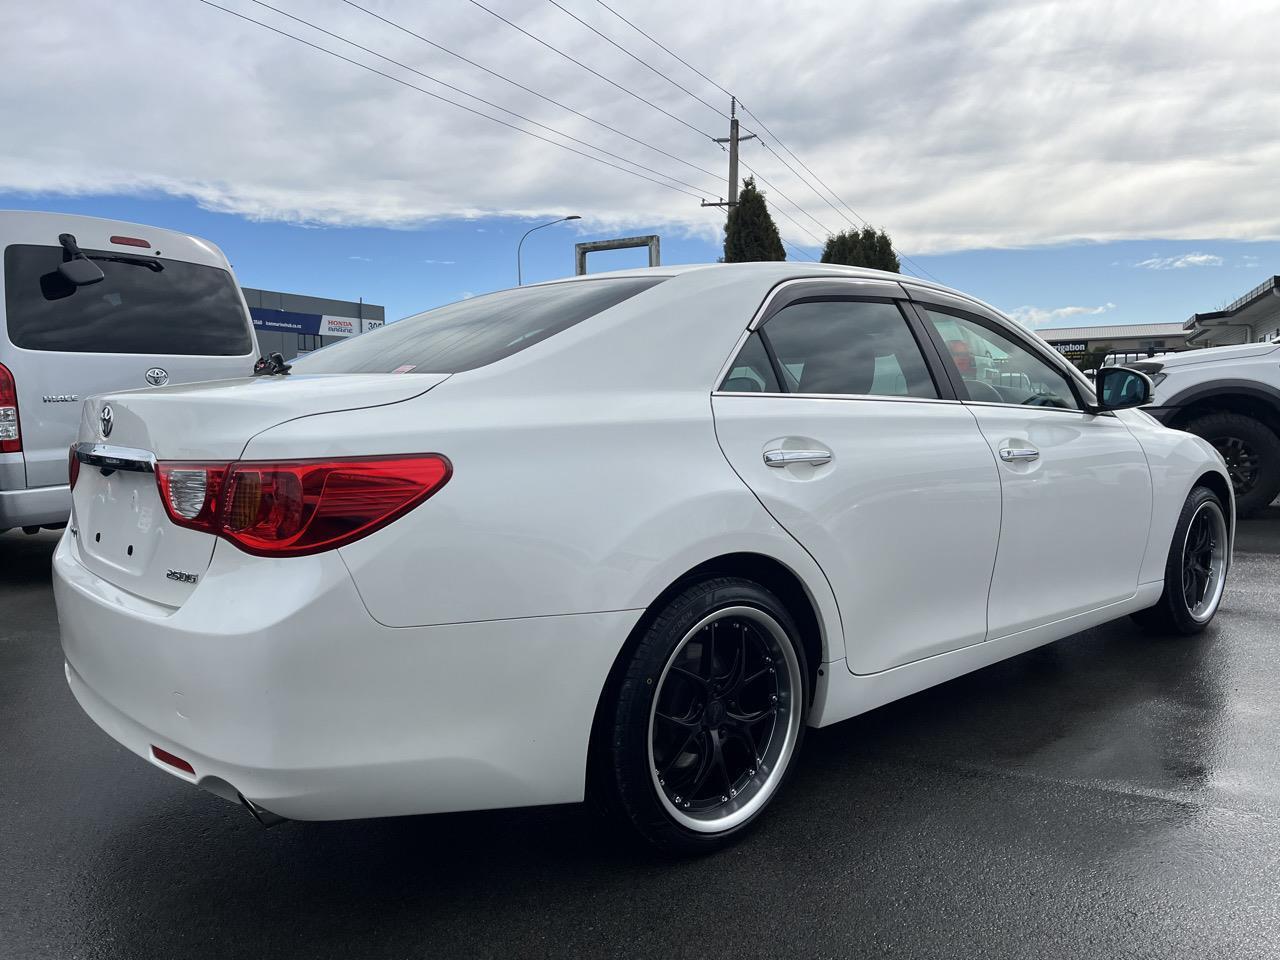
pixel 10 428
pixel 73 467
pixel 164 756
pixel 297 507
pixel 130 242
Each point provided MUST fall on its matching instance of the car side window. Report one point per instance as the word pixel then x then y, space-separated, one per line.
pixel 751 371
pixel 997 369
pixel 849 347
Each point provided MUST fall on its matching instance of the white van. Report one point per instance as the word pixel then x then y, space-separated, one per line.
pixel 88 306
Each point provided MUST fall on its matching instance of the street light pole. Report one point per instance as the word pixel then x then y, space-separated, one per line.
pixel 549 223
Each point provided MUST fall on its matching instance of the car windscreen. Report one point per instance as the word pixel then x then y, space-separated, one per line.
pixel 475 332
pixel 181 308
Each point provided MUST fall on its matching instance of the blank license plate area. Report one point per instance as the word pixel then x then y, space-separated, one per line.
pixel 126 537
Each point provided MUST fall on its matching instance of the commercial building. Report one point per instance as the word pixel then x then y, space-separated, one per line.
pixel 1117 343
pixel 292 323
pixel 1255 317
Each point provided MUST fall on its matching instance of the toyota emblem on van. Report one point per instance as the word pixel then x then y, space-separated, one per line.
pixel 157 376
pixel 107 419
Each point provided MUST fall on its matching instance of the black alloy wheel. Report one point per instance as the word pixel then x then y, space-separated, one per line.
pixel 704 717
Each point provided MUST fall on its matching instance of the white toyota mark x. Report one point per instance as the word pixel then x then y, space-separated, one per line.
pixel 627 534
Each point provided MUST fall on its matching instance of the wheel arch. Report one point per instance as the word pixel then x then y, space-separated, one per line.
pixel 1245 398
pixel 1220 485
pixel 770 573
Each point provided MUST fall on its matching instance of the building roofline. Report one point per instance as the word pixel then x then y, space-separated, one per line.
pixel 1267 288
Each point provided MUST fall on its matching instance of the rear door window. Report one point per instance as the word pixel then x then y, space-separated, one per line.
pixel 848 347
pixel 144 304
pixel 475 332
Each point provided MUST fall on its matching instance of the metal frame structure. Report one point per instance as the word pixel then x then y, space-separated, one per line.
pixel 580 250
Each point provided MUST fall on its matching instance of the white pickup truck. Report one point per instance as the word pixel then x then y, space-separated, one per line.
pixel 1231 397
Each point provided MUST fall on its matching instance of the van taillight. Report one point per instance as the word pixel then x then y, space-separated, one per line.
pixel 130 241
pixel 73 467
pixel 295 507
pixel 10 429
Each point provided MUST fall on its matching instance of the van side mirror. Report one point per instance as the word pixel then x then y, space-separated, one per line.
pixel 1120 388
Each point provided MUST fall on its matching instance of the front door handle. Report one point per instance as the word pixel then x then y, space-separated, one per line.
pixel 784 458
pixel 1019 454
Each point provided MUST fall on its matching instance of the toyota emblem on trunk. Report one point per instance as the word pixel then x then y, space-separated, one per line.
pixel 157 376
pixel 108 420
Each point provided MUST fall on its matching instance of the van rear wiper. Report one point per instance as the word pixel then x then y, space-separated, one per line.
pixel 155 266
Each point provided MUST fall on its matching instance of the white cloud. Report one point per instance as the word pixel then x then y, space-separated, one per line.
pixel 362 259
pixel 1181 262
pixel 1035 317
pixel 953 125
pixel 441 262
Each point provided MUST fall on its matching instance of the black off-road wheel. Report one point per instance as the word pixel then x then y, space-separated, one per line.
pixel 1196 569
pixel 705 723
pixel 1252 454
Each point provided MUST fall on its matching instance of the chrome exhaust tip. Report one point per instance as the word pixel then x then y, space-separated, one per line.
pixel 264 817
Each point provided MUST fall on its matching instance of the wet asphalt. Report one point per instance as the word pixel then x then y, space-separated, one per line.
pixel 1111 795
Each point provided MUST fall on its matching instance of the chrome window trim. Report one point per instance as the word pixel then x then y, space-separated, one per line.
pixel 1038 409
pixel 882 397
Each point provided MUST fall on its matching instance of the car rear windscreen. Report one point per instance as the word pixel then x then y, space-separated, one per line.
pixel 475 332
pixel 179 309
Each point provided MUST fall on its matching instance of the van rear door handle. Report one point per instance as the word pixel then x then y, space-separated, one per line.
pixel 784 458
pixel 1019 454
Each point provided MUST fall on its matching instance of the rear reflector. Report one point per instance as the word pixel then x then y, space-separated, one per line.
pixel 130 242
pixel 164 756
pixel 10 428
pixel 297 507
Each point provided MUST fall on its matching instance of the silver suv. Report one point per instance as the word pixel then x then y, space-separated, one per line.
pixel 91 306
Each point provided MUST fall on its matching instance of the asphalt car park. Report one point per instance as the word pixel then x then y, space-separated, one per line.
pixel 1112 794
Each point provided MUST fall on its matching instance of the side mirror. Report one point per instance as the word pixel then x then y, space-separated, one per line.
pixel 80 272
pixel 1120 388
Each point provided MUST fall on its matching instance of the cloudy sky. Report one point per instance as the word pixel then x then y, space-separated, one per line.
pixel 1072 162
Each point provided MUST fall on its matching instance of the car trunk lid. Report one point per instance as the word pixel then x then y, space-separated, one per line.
pixel 123 531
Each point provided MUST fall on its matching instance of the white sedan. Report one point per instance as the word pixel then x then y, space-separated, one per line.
pixel 627 534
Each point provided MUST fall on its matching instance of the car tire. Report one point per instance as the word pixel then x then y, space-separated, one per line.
pixel 706 718
pixel 1201 542
pixel 1249 447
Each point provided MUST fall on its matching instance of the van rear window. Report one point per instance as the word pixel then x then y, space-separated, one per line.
pixel 475 332
pixel 183 309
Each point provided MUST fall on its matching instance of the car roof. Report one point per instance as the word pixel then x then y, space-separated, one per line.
pixel 776 271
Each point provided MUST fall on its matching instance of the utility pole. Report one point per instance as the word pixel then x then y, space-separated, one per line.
pixel 732 140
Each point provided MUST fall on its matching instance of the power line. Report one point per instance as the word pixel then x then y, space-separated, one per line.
pixel 436 96
pixel 664 49
pixel 821 226
pixel 596 73
pixel 541 96
pixel 455 89
pixel 671 53
pixel 644 63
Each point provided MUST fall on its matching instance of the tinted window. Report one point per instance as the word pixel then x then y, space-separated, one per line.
pixel 475 332
pixel 182 308
pixel 997 369
pixel 848 347
pixel 751 371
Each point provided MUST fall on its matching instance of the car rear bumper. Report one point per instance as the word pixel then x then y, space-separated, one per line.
pixel 274 683
pixel 35 507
